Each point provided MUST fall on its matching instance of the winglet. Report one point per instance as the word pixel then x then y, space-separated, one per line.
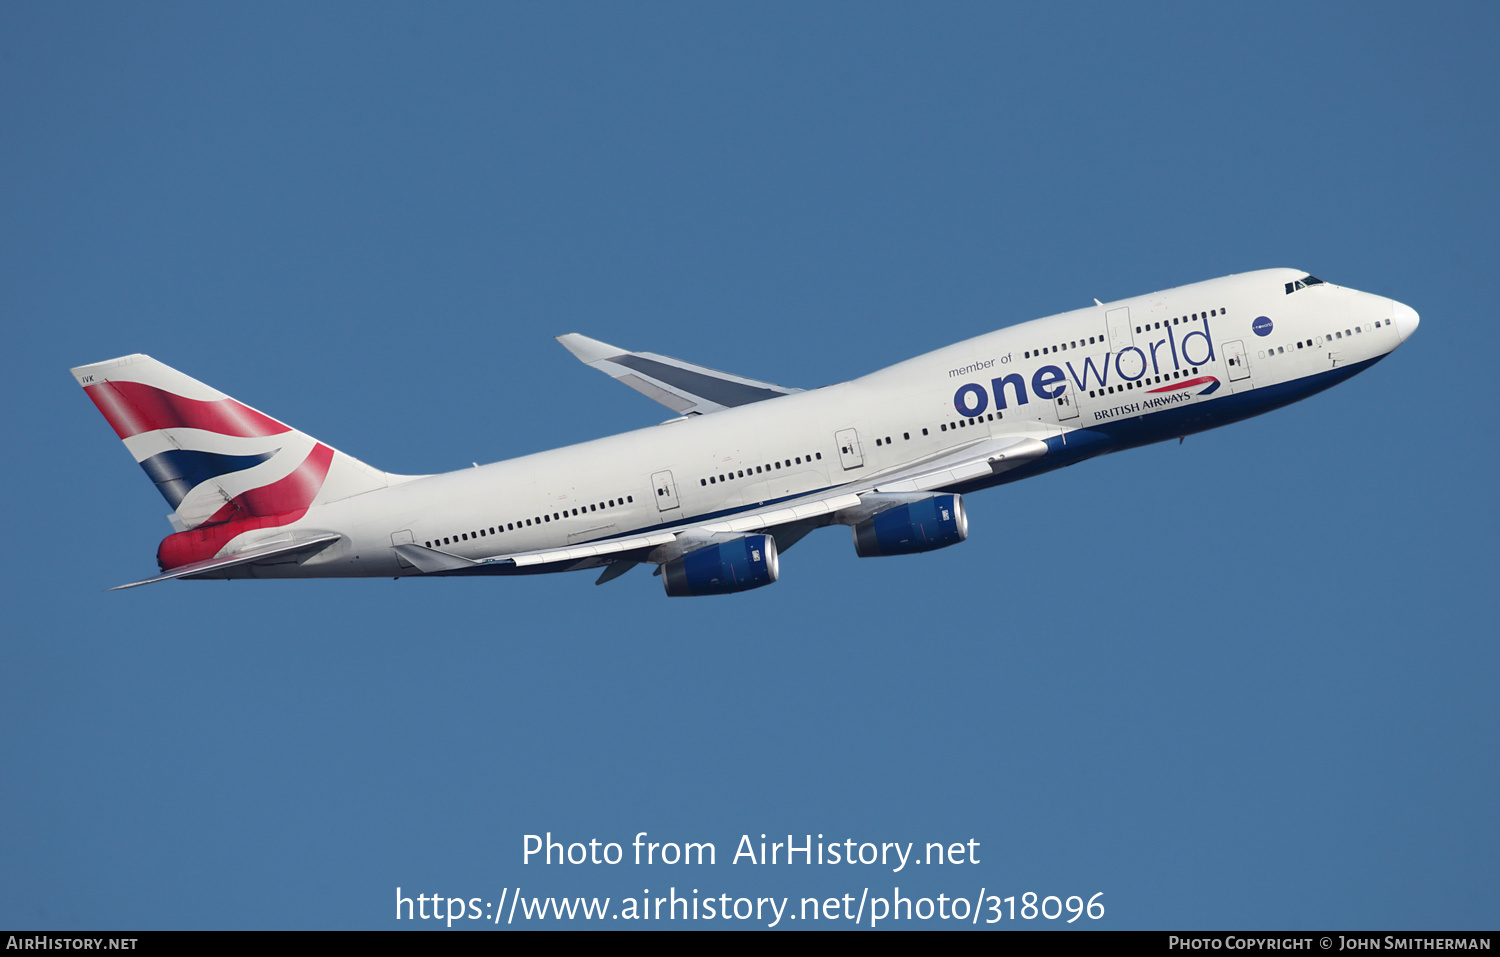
pixel 683 387
pixel 589 350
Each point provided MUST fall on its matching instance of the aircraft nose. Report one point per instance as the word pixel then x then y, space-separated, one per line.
pixel 1406 319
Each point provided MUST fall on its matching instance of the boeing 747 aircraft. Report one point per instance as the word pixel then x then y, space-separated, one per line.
pixel 747 468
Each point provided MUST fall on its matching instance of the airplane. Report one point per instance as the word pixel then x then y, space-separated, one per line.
pixel 712 496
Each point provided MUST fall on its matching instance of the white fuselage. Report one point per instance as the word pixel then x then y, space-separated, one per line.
pixel 1092 378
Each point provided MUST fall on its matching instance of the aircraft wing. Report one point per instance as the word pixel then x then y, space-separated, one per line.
pixel 852 502
pixel 250 556
pixel 683 387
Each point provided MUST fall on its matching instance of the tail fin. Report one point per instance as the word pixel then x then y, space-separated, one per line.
pixel 214 459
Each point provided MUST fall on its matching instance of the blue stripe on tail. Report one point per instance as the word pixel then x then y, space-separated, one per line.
pixel 181 470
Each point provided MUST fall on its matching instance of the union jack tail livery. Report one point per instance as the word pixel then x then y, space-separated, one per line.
pixel 226 469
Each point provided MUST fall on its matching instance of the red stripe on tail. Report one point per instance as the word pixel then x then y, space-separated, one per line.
pixel 133 407
pixel 271 506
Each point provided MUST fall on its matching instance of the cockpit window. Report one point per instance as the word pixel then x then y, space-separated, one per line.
pixel 1302 283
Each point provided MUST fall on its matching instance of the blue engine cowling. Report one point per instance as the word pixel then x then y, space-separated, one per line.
pixel 932 523
pixel 740 565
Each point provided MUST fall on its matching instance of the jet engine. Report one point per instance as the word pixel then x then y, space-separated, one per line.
pixel 738 565
pixel 920 526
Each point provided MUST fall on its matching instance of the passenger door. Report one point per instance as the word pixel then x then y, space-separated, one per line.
pixel 1067 405
pixel 849 453
pixel 1238 365
pixel 666 491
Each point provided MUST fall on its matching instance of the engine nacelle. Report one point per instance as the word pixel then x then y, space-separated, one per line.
pixel 740 565
pixel 922 526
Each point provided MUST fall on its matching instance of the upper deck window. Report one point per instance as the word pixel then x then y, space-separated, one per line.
pixel 1302 283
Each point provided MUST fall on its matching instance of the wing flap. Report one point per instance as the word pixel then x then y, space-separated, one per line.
pixel 754 521
pixel 577 552
pixel 987 457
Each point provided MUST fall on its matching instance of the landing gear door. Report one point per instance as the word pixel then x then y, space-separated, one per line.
pixel 849 453
pixel 666 491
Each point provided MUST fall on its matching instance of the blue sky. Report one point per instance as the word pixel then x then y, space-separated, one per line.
pixel 1244 682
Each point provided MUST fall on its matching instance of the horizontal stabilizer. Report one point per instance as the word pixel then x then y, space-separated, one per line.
pixel 248 557
pixel 684 388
